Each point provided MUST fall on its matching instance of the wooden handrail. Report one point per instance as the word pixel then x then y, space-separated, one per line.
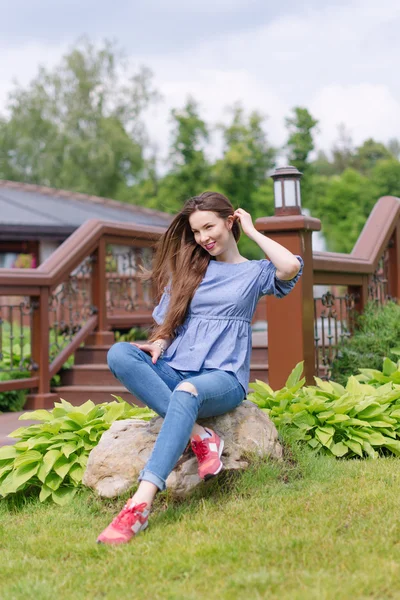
pixel 74 249
pixel 374 238
pixel 19 384
pixel 74 344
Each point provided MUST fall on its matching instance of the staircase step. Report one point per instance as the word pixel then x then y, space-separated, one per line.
pixel 78 394
pixel 101 337
pixel 97 354
pixel 259 355
pixel 99 374
pixel 92 355
pixel 259 371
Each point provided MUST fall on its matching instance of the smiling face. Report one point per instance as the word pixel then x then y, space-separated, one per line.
pixel 210 231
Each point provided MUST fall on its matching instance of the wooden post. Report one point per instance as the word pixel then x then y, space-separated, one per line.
pixel 102 335
pixel 394 264
pixel 360 299
pixel 40 352
pixel 291 319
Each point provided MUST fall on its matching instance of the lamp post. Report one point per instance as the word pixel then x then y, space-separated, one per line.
pixel 290 319
pixel 287 191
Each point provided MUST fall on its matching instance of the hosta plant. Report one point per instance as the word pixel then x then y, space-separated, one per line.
pixel 362 418
pixel 52 454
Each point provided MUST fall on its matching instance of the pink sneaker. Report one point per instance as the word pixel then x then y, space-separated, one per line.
pixel 131 520
pixel 208 453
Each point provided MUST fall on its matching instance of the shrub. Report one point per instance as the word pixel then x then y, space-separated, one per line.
pixel 13 400
pixel 52 455
pixel 377 333
pixel 360 419
pixel 135 333
pixel 19 362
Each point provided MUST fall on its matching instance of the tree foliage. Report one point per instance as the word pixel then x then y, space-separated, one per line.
pixel 369 154
pixel 247 157
pixel 190 172
pixel 81 127
pixel 300 143
pixel 242 171
pixel 78 126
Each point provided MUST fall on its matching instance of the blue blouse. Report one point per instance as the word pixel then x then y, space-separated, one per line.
pixel 216 333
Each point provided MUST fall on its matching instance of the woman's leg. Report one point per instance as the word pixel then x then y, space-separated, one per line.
pixel 213 392
pixel 208 394
pixel 151 383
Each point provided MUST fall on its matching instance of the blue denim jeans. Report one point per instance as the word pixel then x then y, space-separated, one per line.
pixel 155 385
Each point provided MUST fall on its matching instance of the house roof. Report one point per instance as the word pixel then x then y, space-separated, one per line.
pixel 35 211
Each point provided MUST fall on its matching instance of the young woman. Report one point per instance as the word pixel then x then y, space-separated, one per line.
pixel 196 364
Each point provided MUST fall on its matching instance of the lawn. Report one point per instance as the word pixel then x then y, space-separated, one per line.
pixel 311 527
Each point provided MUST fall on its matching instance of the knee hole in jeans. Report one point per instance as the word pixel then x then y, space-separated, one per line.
pixel 187 387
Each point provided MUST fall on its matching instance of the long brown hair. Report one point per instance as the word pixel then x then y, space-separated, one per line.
pixel 180 262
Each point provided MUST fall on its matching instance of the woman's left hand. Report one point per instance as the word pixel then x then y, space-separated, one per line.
pixel 245 221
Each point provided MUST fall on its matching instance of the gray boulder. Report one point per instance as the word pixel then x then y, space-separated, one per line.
pixel 114 464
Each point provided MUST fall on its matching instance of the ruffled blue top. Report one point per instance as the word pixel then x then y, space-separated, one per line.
pixel 216 333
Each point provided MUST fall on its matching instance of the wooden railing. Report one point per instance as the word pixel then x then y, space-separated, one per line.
pixel 370 272
pixel 303 327
pixel 90 285
pixel 85 286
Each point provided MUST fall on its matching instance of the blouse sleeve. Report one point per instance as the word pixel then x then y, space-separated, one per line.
pixel 270 284
pixel 162 307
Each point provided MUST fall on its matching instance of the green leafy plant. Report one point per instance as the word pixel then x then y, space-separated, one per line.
pixel 377 332
pixel 136 333
pixel 13 400
pixel 360 419
pixel 52 455
pixel 16 363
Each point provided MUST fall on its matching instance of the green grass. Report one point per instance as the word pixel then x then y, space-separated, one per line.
pixel 311 527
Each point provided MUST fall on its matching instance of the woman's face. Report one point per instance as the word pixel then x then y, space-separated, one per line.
pixel 210 231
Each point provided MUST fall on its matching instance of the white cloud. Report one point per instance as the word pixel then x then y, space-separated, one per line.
pixel 368 111
pixel 331 60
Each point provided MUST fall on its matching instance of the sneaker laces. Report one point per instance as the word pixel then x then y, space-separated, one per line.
pixel 124 518
pixel 200 449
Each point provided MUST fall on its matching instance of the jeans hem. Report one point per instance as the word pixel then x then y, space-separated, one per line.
pixel 145 475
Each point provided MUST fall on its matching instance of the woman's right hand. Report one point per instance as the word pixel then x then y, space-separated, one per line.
pixel 153 349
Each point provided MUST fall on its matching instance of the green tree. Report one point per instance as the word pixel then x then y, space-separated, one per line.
pixel 322 165
pixel 343 204
pixel 368 154
pixel 300 143
pixel 79 125
pixel 386 177
pixel 242 172
pixel 190 172
pixel 247 157
pixel 343 150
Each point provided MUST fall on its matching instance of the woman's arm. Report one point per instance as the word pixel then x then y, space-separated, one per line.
pixel 287 265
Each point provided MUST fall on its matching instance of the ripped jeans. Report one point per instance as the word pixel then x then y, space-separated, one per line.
pixel 157 386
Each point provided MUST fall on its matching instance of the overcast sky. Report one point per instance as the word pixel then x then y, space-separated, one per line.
pixel 339 59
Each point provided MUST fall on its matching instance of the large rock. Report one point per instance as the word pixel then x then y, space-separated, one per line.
pixel 114 464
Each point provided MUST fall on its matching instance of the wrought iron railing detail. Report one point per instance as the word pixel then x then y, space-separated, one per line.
pixel 70 305
pixel 126 292
pixel 334 319
pixel 378 283
pixel 16 319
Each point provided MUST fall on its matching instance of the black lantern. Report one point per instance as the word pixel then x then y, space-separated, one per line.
pixel 287 191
